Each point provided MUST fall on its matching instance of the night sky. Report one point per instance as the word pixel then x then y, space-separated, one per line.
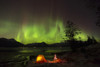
pixel 33 21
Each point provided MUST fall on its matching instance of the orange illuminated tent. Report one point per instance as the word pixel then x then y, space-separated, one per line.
pixel 41 59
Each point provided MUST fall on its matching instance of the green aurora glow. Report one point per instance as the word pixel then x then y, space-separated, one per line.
pixel 37 33
pixel 48 31
pixel 51 33
pixel 36 21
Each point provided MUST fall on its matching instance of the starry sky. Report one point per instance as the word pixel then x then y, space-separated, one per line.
pixel 44 20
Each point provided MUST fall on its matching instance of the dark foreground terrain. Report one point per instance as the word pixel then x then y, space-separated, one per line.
pixel 24 57
pixel 90 58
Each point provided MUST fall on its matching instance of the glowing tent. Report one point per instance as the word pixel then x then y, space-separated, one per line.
pixel 41 59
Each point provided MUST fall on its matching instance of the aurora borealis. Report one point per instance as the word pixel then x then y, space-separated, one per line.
pixel 53 33
pixel 36 21
pixel 38 33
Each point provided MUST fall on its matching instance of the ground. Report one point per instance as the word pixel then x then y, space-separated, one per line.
pixel 24 57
